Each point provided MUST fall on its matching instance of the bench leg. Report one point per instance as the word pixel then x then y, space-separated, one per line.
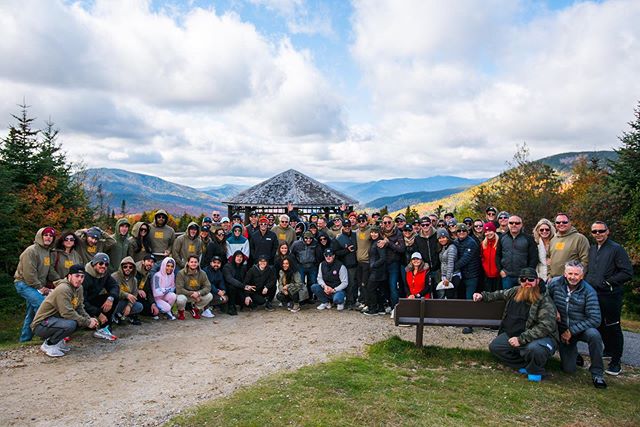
pixel 419 334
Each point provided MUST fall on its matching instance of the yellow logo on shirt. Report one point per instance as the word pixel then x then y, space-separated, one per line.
pixel 282 236
pixel 559 246
pixel 47 262
pixel 193 283
pixel 68 263
pixel 192 248
pixel 75 302
pixel 124 287
pixel 92 249
pixel 158 235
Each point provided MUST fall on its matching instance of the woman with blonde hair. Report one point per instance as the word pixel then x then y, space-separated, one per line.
pixel 542 234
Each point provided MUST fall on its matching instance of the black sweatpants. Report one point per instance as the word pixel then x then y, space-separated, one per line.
pixel 610 328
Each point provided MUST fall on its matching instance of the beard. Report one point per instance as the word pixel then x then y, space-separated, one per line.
pixel 529 295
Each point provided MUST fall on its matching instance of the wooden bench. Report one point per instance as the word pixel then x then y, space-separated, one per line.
pixel 447 312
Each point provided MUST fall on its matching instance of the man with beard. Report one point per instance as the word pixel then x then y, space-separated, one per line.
pixel 218 288
pixel 145 294
pixel 260 284
pixel 161 235
pixel 186 245
pixel 192 285
pixel 528 334
pixel 263 242
pixel 128 306
pixel 91 241
pixel 345 246
pixel 120 249
pixel 100 292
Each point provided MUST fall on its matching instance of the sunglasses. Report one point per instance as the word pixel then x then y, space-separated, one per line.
pixel 503 217
pixel 461 231
pixel 102 263
pixel 144 230
pixel 598 231
pixel 362 220
pixel 544 230
pixel 323 238
pixel 562 222
pixel 308 238
pixel 527 279
pixel 387 222
pixel 127 267
pixel 284 222
pixel 477 226
pixel 69 239
pixel 514 223
pixel 491 214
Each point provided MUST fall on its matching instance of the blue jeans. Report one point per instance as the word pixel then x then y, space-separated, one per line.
pixel 509 282
pixel 470 286
pixel 33 299
pixel 394 275
pixel 308 275
pixel 135 308
pixel 338 297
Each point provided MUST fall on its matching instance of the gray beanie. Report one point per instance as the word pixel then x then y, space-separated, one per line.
pixel 442 233
pixel 100 257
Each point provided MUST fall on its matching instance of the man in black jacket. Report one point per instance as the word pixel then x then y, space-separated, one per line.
pixel 260 284
pixel 345 246
pixel 264 242
pixel 515 251
pixel 609 269
pixel 100 292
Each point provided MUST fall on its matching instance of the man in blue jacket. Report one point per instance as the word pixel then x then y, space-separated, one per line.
pixel 578 317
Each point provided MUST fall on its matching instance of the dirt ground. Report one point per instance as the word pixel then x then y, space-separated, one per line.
pixel 161 368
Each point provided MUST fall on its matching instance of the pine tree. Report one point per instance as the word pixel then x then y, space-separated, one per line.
pixel 19 149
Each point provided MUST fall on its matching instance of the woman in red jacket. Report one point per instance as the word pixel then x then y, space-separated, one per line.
pixel 417 283
pixel 488 248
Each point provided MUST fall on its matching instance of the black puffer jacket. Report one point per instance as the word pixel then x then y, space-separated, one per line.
pixel 468 262
pixel 514 254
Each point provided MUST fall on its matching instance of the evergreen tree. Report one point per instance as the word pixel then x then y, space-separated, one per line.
pixel 19 149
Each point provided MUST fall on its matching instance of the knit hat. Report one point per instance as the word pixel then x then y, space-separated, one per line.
pixel 49 230
pixel 407 227
pixel 94 232
pixel 463 227
pixel 451 222
pixel 76 269
pixel 207 219
pixel 100 257
pixel 442 233
pixel 489 226
pixel 307 234
pixel 503 214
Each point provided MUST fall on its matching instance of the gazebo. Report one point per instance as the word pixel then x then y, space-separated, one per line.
pixel 274 195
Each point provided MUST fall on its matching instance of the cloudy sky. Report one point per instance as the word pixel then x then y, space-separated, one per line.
pixel 212 92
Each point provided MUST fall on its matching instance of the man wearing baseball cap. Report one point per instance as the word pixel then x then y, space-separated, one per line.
pixel 333 280
pixel 264 241
pixel 528 334
pixel 62 312
pixel 100 292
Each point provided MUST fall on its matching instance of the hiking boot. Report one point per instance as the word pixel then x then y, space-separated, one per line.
pixel 208 314
pixel 467 330
pixel 51 350
pixel 340 307
pixel 195 313
pixel 134 320
pixel 180 314
pixel 580 361
pixel 295 308
pixel 324 306
pixel 614 369
pixel 63 346
pixel 268 306
pixel 598 382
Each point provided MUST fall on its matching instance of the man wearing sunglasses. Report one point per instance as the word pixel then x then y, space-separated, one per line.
pixel 100 292
pixel 567 245
pixel 515 251
pixel 528 334
pixel 579 313
pixel 609 269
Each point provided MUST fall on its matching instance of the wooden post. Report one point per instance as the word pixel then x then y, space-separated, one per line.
pixel 420 327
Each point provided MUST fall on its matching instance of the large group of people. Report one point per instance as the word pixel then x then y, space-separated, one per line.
pixel 559 288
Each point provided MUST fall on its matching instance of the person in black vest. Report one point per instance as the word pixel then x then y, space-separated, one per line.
pixel 333 280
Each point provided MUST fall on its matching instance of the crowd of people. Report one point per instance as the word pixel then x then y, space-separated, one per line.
pixel 559 288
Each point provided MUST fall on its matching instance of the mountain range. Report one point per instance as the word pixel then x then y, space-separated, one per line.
pixel 146 192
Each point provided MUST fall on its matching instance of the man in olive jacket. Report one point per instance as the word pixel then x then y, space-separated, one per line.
pixel 528 334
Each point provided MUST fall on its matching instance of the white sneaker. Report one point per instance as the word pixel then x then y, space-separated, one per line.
pixel 170 316
pixel 105 334
pixel 51 350
pixel 387 310
pixel 393 312
pixel 323 306
pixel 208 314
pixel 156 317
pixel 340 307
pixel 63 346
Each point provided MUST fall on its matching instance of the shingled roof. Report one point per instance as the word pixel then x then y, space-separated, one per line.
pixel 291 186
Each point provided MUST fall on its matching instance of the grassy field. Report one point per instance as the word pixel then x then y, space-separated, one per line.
pixel 397 384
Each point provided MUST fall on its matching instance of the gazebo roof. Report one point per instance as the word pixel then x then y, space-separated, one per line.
pixel 290 186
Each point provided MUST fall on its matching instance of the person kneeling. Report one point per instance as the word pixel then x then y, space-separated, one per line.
pixel 333 279
pixel 192 286
pixel 61 313
pixel 528 334
pixel 260 285
pixel 128 305
pixel 291 290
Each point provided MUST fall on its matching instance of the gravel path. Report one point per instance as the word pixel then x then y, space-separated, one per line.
pixel 159 369
pixel 631 353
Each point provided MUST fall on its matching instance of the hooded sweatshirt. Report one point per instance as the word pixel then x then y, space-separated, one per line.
pixel 35 264
pixel 121 247
pixel 66 302
pixel 185 246
pixel 161 238
pixel 134 245
pixel 97 284
pixel 567 247
pixel 127 285
pixel 62 261
pixel 189 281
pixel 105 242
pixel 239 243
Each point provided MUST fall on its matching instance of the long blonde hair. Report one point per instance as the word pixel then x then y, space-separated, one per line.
pixel 543 221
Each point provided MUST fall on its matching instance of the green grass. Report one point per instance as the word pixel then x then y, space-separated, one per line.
pixel 397 384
